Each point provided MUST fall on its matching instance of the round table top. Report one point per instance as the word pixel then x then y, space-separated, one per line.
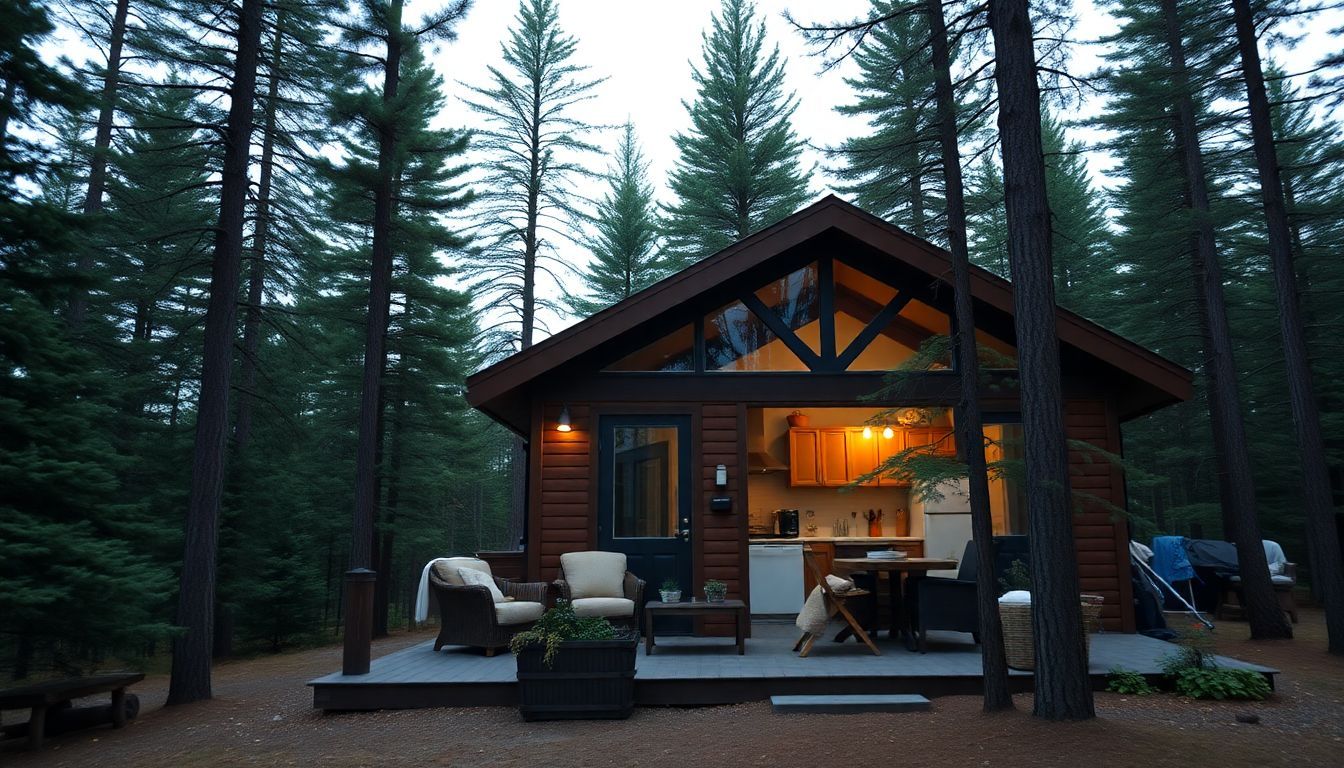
pixel 889 564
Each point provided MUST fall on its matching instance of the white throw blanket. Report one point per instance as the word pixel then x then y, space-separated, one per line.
pixel 422 595
pixel 813 618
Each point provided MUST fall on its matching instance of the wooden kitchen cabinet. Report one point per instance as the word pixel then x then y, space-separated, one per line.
pixel 835 465
pixel 886 448
pixel 804 457
pixel 940 437
pixel 824 555
pixel 861 454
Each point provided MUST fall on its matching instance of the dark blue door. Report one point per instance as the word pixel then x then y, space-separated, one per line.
pixel 644 487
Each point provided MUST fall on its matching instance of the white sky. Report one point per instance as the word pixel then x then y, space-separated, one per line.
pixel 646 51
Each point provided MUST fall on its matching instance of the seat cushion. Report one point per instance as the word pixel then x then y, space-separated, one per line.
pixel 446 569
pixel 474 578
pixel 611 607
pixel 518 612
pixel 594 574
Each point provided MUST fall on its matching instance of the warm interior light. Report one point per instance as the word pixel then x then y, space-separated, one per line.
pixel 867 431
pixel 888 432
pixel 562 424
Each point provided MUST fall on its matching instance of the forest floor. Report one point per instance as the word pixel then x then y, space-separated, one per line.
pixel 262 715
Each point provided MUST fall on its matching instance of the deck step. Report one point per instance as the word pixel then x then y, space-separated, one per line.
pixel 848 704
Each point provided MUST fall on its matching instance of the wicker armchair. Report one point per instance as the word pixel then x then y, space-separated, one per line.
pixel 592 597
pixel 469 615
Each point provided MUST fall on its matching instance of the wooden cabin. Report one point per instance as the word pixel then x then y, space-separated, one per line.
pixel 661 426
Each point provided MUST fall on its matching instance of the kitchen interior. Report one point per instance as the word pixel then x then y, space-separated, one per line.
pixel 801 464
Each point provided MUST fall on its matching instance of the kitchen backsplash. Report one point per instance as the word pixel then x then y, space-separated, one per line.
pixel 769 492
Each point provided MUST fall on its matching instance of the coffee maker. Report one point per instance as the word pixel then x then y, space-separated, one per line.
pixel 787 520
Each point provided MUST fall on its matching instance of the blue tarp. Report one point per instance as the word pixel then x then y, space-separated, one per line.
pixel 1169 559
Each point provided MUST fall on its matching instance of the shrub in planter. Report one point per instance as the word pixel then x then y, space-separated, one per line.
pixel 1195 673
pixel 670 592
pixel 574 667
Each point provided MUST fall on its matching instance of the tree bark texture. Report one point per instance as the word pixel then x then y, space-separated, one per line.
pixel 196 596
pixel 1327 571
pixel 256 271
pixel 102 140
pixel 970 421
pixel 380 299
pixel 1063 688
pixel 1261 605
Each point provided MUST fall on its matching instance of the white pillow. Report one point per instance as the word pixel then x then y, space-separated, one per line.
pixel 1016 597
pixel 474 578
pixel 838 584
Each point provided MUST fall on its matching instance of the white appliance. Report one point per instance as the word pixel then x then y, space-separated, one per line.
pixel 776 578
pixel 946 523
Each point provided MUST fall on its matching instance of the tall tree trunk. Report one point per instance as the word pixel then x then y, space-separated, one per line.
pixel 380 299
pixel 1063 688
pixel 102 140
pixel 196 595
pixel 256 273
pixel 1327 571
pixel 970 421
pixel 1262 608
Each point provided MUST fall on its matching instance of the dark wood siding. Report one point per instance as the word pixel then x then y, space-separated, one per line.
pixel 567 489
pixel 1101 533
pixel 722 536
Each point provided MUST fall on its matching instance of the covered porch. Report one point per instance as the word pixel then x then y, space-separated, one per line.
pixel 698 671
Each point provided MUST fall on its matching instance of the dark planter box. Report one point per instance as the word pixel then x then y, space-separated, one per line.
pixel 591 679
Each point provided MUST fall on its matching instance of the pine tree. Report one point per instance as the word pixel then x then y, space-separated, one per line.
pixel 738 170
pixel 534 148
pixel 1063 690
pixel 624 246
pixel 891 171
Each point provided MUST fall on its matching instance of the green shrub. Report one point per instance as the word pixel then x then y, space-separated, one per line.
pixel 1128 682
pixel 558 625
pixel 1221 683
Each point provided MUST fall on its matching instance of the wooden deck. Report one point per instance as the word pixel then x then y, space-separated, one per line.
pixel 692 671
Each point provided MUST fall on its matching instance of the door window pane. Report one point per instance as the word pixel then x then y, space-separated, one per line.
pixel 796 300
pixel 737 340
pixel 644 482
pixel 673 352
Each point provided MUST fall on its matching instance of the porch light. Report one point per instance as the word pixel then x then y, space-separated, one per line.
pixel 867 432
pixel 888 432
pixel 563 424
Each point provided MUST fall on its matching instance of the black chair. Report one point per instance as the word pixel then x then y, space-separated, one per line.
pixel 949 604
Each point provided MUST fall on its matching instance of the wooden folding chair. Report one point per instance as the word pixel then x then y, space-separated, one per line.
pixel 835 603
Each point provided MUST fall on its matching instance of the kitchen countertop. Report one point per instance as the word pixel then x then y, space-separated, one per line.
pixel 837 539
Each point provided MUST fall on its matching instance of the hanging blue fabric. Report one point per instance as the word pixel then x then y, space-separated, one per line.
pixel 1169 559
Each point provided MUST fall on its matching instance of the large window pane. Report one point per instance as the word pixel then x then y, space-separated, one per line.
pixel 916 323
pixel 796 300
pixel 858 299
pixel 645 482
pixel 1007 501
pixel 673 352
pixel 737 340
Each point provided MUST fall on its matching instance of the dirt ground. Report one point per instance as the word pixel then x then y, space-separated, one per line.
pixel 261 716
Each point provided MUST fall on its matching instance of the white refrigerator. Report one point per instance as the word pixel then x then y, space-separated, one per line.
pixel 946 523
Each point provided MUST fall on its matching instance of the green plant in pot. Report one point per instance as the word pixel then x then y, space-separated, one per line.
pixel 574 667
pixel 715 590
pixel 670 592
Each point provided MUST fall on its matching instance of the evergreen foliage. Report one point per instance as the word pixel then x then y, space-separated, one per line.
pixel 738 168
pixel 625 244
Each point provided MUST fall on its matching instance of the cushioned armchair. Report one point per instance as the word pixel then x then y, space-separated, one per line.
pixel 949 604
pixel 477 609
pixel 597 584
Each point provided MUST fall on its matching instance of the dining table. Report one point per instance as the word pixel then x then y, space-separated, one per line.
pixel 904 569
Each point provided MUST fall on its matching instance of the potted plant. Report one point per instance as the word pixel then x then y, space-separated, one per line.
pixel 715 590
pixel 574 667
pixel 670 592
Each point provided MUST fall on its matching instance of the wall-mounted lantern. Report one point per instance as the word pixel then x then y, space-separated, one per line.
pixel 563 423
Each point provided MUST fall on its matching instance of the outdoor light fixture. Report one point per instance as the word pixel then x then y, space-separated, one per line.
pixel 721 476
pixel 867 431
pixel 888 432
pixel 562 425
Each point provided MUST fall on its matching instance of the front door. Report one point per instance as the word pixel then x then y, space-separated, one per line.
pixel 644 486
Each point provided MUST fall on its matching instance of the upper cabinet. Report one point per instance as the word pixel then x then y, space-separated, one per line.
pixel 837 456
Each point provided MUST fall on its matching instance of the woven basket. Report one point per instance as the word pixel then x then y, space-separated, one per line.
pixel 1018 638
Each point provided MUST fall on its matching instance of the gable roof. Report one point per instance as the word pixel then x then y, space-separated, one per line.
pixel 1171 380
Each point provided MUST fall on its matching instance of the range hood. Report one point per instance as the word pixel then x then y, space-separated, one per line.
pixel 761 462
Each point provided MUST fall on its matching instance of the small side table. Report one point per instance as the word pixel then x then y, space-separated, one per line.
pixel 697 608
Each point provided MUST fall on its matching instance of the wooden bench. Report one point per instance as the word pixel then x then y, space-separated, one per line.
pixel 41 697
